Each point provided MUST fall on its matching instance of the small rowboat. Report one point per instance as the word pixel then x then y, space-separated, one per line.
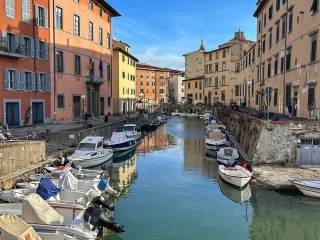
pixel 308 188
pixel 237 176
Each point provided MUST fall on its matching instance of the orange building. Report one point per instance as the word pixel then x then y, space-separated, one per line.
pixel 24 62
pixel 81 53
pixel 152 84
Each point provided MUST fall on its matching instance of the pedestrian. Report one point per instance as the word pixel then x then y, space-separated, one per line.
pixel 106 118
pixel 86 117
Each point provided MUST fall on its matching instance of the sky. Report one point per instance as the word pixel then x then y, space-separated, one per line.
pixel 160 32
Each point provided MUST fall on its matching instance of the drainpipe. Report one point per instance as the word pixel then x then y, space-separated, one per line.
pixel 54 61
pixel 285 62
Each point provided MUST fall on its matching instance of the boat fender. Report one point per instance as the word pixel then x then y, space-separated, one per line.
pixel 253 181
pixel 102 185
pixel 99 202
pixel 95 217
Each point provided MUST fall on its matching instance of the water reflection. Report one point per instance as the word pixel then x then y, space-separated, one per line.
pixel 235 194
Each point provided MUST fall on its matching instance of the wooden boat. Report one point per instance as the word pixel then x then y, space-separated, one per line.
pixel 215 140
pixel 227 155
pixel 237 176
pixel 90 153
pixel 308 187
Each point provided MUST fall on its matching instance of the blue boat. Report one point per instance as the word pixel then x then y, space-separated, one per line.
pixel 120 142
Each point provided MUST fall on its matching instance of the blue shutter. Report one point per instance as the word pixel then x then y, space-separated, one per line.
pixel 16 43
pixel 6 78
pixel 4 40
pixel 47 82
pixel 46 51
pixel 34 81
pixel 22 81
pixel 32 47
pixel 16 83
pixel 46 18
pixel 37 14
pixel 38 82
pixel 37 50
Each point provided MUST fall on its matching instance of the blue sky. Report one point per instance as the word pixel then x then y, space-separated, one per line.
pixel 160 32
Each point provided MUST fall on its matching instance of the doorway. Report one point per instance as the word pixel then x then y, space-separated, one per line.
pixel 102 106
pixel 37 112
pixel 76 106
pixel 12 113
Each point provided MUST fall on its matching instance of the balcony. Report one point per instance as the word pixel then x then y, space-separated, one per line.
pixel 12 52
pixel 96 81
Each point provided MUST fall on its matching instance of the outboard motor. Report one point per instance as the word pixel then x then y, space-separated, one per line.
pixel 95 216
pixel 97 201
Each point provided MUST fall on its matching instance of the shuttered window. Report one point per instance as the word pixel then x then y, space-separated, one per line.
pixel 25 5
pixel 59 18
pixel 108 72
pixel 10 8
pixel 77 65
pixel 41 16
pixel 314 43
pixel 76 25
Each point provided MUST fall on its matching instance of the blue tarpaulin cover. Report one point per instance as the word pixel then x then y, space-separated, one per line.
pixel 47 189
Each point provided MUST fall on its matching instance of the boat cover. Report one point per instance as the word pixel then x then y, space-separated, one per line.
pixel 216 135
pixel 228 153
pixel 68 182
pixel 119 137
pixel 37 211
pixel 14 228
pixel 47 189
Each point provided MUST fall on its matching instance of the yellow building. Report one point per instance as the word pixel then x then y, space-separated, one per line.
pixel 123 78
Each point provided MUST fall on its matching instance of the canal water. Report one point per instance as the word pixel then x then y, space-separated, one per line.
pixel 170 190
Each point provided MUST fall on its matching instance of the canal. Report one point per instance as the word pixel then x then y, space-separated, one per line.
pixel 171 191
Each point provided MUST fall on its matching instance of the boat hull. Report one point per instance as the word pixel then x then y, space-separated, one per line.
pixel 308 190
pixel 87 163
pixel 225 161
pixel 125 146
pixel 234 180
pixel 136 136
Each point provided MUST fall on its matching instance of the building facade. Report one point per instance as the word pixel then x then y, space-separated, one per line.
pixel 152 85
pixel 176 87
pixel 222 67
pixel 123 79
pixel 194 77
pixel 288 57
pixel 81 53
pixel 24 62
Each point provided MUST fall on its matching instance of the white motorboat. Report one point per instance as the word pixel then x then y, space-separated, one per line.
pixel 215 140
pixel 120 142
pixel 90 153
pixel 210 128
pixel 237 176
pixel 16 195
pixel 162 119
pixel 309 188
pixel 131 131
pixel 45 218
pixel 227 155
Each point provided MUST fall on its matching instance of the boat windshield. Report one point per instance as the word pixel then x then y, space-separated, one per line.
pixel 128 128
pixel 87 146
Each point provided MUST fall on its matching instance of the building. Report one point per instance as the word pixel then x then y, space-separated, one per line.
pixel 194 78
pixel 24 63
pixel 176 87
pixel 222 83
pixel 288 57
pixel 123 78
pixel 152 85
pixel 81 53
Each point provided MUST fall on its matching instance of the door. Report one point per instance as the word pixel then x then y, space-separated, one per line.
pixel 310 152
pixel 12 113
pixel 76 106
pixel 37 113
pixel 102 106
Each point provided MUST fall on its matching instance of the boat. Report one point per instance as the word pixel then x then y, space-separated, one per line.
pixel 237 175
pixel 13 227
pixel 227 155
pixel 192 115
pixel 310 188
pixel 162 119
pixel 90 153
pixel 215 140
pixel 212 127
pixel 175 114
pixel 46 218
pixel 151 125
pixel 15 195
pixel 235 194
pixel 120 142
pixel 131 131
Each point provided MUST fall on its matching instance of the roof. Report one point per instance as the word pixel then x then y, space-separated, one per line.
pixel 259 7
pixel 195 78
pixel 154 68
pixel 92 139
pixel 113 12
pixel 126 53
pixel 219 49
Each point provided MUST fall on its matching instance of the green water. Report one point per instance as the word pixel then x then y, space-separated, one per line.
pixel 170 191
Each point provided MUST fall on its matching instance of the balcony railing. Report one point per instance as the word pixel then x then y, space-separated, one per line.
pixel 94 80
pixel 15 52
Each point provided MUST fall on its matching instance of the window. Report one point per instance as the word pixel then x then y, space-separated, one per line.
pixel 10 8
pixel 43 50
pixel 11 44
pixel 27 80
pixel 59 18
pixel 90 31
pixel 284 27
pixel 77 65
pixel 189 85
pixel 314 47
pixel 90 5
pixel 259 27
pixel 270 38
pixel 224 66
pixel 123 58
pixel 223 82
pixel 196 84
pixel 315 6
pixel 224 53
pixel 277 5
pixel 25 5
pixel 270 12
pixel 278 32
pixel 217 67
pixel 101 69
pixel 100 36
pixel 288 59
pixel 42 16
pixel 290 25
pixel 76 25
pixel 217 55
pixel 123 75
pixel 59 59
pixel 311 97
pixel 108 72
pixel 269 69
pixel 100 12
pixel 11 80
pixel 275 97
pixel 282 64
pixel 42 82
pixel 108 41
pixel 60 101
pixel 27 46
pixel 264 44
pixel 276 63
